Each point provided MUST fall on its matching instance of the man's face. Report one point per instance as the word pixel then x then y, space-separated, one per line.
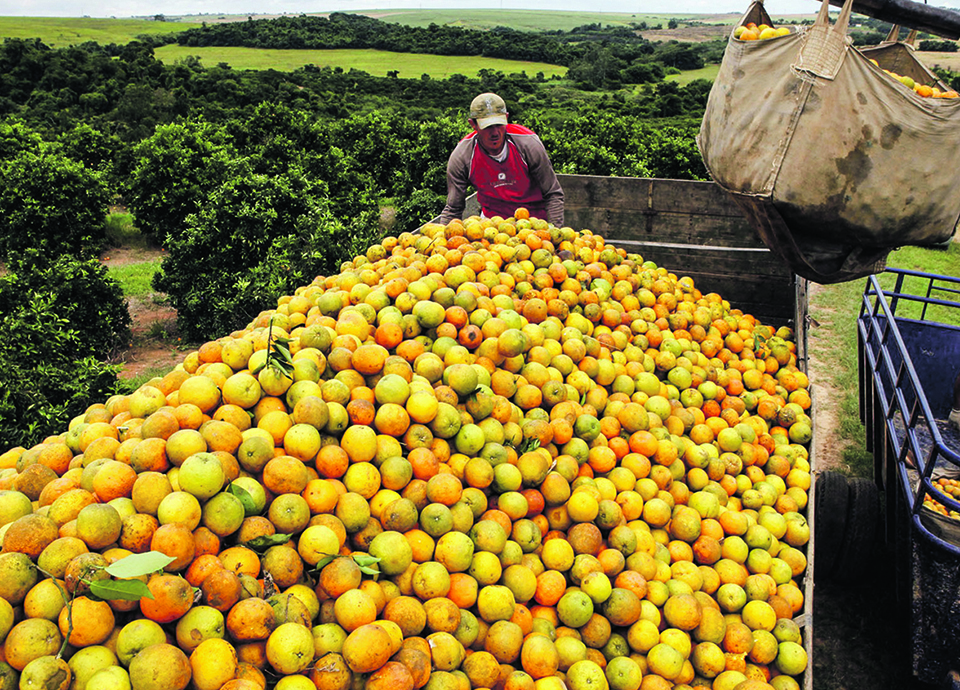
pixel 492 139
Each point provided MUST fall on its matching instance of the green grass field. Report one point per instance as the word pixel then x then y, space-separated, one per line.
pixel 522 20
pixel 835 309
pixel 375 62
pixel 60 32
pixel 709 73
pixel 135 279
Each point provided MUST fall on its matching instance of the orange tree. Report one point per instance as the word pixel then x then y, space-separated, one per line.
pixel 59 311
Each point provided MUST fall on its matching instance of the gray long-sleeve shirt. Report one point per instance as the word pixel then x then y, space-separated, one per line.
pixel 526 168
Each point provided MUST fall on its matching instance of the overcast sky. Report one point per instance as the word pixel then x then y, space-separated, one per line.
pixel 134 8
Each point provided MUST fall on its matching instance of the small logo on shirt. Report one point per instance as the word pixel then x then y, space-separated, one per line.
pixel 501 176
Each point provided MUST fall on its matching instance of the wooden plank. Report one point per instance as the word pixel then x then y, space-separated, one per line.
pixel 678 228
pixel 680 211
pixel 735 264
pixel 643 194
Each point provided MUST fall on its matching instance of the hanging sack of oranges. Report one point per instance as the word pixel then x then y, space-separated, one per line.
pixel 897 59
pixel 834 161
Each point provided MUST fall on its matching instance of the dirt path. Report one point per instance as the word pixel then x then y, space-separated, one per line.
pixel 155 345
pixel 828 445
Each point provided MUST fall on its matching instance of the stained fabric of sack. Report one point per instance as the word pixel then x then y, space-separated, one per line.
pixel 832 172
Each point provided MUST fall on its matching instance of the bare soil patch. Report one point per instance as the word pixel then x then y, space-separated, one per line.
pixel 828 445
pixel 950 61
pixel 155 345
pixel 690 34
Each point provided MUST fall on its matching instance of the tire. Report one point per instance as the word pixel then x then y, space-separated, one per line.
pixel 860 536
pixel 830 506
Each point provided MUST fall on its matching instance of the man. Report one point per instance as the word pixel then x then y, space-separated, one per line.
pixel 506 163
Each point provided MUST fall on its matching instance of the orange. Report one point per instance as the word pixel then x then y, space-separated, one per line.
pixel 213 663
pixel 285 474
pixel 368 359
pixel 172 597
pixel 221 589
pixel 250 620
pixel 30 535
pixel 30 639
pixel 136 533
pixel 393 675
pixel 201 567
pixel 366 649
pixel 353 609
pixel 176 540
pixel 160 667
pixel 504 641
pixel 408 613
pixel 86 621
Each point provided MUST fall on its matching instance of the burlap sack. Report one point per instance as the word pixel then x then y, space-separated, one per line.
pixel 834 162
pixel 898 56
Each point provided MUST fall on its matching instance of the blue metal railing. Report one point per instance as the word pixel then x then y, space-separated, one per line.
pixel 898 396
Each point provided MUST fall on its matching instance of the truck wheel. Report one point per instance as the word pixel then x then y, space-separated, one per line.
pixel 859 541
pixel 830 506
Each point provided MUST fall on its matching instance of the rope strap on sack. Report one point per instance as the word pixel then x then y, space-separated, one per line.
pixel 825 46
pixel 894 35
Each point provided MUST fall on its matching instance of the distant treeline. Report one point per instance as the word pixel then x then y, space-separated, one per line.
pixel 357 31
pixel 126 91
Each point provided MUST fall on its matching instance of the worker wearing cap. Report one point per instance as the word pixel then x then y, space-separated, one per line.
pixel 506 163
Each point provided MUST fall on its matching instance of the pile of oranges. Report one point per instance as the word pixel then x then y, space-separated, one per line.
pixel 951 487
pixel 493 454
pixel 754 32
pixel 923 90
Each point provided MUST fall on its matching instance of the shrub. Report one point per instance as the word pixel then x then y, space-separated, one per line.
pixel 259 237
pixel 16 137
pixel 939 46
pixel 94 148
pixel 416 209
pixel 50 204
pixel 48 368
pixel 175 172
pixel 82 293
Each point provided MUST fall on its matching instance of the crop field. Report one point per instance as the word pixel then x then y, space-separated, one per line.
pixel 950 61
pixel 708 72
pixel 375 62
pixel 522 20
pixel 60 32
